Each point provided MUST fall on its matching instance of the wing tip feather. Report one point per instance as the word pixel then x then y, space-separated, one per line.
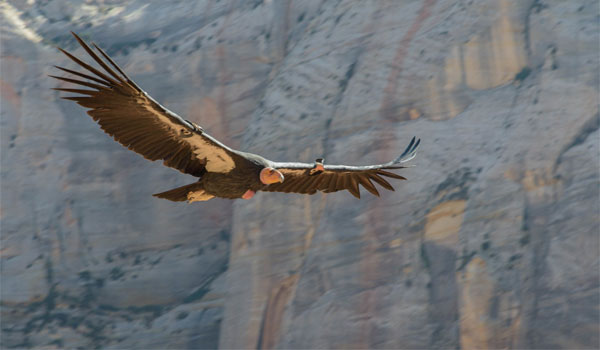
pixel 410 152
pixel 354 193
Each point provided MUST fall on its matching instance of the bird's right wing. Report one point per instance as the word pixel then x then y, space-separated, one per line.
pixel 306 178
pixel 138 122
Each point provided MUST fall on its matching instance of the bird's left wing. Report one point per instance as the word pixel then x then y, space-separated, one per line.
pixel 138 122
pixel 309 178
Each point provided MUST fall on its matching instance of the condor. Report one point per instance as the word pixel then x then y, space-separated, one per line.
pixel 134 119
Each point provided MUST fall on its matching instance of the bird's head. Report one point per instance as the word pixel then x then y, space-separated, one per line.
pixel 270 176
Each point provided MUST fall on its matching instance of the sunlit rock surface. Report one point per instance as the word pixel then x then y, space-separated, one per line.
pixel 492 243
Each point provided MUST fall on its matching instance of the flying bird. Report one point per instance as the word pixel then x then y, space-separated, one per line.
pixel 135 120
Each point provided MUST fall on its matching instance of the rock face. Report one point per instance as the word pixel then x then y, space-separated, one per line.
pixel 492 243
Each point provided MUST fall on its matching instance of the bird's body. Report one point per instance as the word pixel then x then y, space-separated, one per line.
pixel 141 124
pixel 233 184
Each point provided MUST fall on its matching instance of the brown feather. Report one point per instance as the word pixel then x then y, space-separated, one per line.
pixel 305 184
pixel 390 174
pixel 294 185
pixel 339 184
pixel 332 182
pixel 116 67
pixel 381 181
pixel 84 76
pixel 77 91
pixel 179 194
pixel 90 68
pixel 353 187
pixel 364 180
pixel 80 82
pixel 97 59
pixel 319 180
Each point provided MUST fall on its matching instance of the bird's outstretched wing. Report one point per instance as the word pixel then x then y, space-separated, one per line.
pixel 138 122
pixel 308 178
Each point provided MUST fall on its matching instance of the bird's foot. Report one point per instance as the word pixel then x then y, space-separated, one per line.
pixel 248 194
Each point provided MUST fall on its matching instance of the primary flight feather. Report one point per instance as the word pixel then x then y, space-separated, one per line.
pixel 134 119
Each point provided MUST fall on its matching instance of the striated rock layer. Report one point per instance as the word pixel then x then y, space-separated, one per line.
pixel 492 243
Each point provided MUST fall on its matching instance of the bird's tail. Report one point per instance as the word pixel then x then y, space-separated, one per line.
pixel 183 193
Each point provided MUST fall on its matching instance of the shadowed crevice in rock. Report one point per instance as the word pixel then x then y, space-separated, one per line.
pixel 387 108
pixel 443 295
pixel 273 315
pixel 588 128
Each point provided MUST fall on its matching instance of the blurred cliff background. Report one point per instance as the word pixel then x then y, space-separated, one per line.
pixel 492 243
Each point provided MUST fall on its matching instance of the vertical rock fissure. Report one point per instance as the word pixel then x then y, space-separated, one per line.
pixel 535 5
pixel 343 85
pixel 273 313
pixel 390 91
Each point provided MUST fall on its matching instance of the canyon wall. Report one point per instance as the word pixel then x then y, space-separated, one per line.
pixel 491 243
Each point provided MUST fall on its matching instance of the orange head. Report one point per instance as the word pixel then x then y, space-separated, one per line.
pixel 270 176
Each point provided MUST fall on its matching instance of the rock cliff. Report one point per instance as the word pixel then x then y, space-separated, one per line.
pixel 492 243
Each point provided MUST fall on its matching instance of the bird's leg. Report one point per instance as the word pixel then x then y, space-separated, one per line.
pixel 248 194
pixel 318 167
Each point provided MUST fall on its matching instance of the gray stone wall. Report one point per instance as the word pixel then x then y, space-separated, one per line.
pixel 493 241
